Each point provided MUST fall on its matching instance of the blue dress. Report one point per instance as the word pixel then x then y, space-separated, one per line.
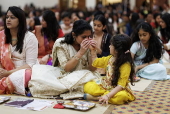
pixel 154 71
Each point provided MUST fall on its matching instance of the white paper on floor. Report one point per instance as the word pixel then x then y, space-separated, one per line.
pixel 38 105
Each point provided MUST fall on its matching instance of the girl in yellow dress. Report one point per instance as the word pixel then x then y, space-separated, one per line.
pixel 113 88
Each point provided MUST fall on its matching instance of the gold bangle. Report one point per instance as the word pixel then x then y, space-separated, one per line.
pixel 77 58
pixel 108 96
pixel 95 51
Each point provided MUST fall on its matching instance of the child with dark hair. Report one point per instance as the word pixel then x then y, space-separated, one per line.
pixel 102 38
pixel 113 87
pixel 94 15
pixel 147 52
pixel 67 25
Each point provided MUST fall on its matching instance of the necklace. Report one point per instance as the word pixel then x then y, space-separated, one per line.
pixel 98 36
pixel 14 39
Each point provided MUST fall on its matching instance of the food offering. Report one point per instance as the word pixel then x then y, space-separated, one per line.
pixel 79 105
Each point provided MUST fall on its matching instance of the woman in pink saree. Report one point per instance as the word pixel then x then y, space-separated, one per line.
pixel 18 53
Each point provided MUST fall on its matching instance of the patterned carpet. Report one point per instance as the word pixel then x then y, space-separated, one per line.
pixel 155 100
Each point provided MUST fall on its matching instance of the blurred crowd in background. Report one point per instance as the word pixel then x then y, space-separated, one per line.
pixel 120 18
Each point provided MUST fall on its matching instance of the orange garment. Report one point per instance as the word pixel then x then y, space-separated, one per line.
pixel 5 53
pixel 6 85
pixel 42 50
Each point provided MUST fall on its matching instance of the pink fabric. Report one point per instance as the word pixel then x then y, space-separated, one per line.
pixel 6 86
pixel 28 73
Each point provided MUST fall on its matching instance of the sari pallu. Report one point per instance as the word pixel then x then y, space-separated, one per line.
pixel 14 83
pixel 6 86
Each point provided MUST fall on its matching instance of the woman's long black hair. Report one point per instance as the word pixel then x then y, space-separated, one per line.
pixel 22 27
pixel 165 32
pixel 155 49
pixel 122 44
pixel 51 31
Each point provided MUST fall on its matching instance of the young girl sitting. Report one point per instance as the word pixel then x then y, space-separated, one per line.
pixel 147 51
pixel 113 87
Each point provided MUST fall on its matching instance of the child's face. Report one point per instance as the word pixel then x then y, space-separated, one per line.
pixel 144 36
pixel 112 50
pixel 67 21
pixel 98 26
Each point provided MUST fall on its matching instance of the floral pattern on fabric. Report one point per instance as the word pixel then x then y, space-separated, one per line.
pixel 106 80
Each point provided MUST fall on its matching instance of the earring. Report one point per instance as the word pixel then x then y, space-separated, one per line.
pixel 74 38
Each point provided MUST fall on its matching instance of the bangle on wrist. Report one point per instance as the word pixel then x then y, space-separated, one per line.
pixel 94 51
pixel 77 58
pixel 108 96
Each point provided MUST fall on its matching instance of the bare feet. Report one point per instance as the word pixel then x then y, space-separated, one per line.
pixel 90 97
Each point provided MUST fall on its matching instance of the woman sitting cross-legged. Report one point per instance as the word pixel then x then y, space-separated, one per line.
pixel 18 53
pixel 71 66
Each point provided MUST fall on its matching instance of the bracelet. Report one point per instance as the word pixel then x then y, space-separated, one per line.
pixel 77 58
pixel 95 51
pixel 108 96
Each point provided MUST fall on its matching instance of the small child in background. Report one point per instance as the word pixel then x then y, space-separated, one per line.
pixel 113 88
pixel 67 25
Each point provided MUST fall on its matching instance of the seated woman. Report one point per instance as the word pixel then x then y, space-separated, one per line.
pixel 147 52
pixel 164 34
pixel 47 34
pixel 72 66
pixel 18 53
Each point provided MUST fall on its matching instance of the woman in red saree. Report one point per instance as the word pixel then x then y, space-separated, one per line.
pixel 47 33
pixel 18 53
